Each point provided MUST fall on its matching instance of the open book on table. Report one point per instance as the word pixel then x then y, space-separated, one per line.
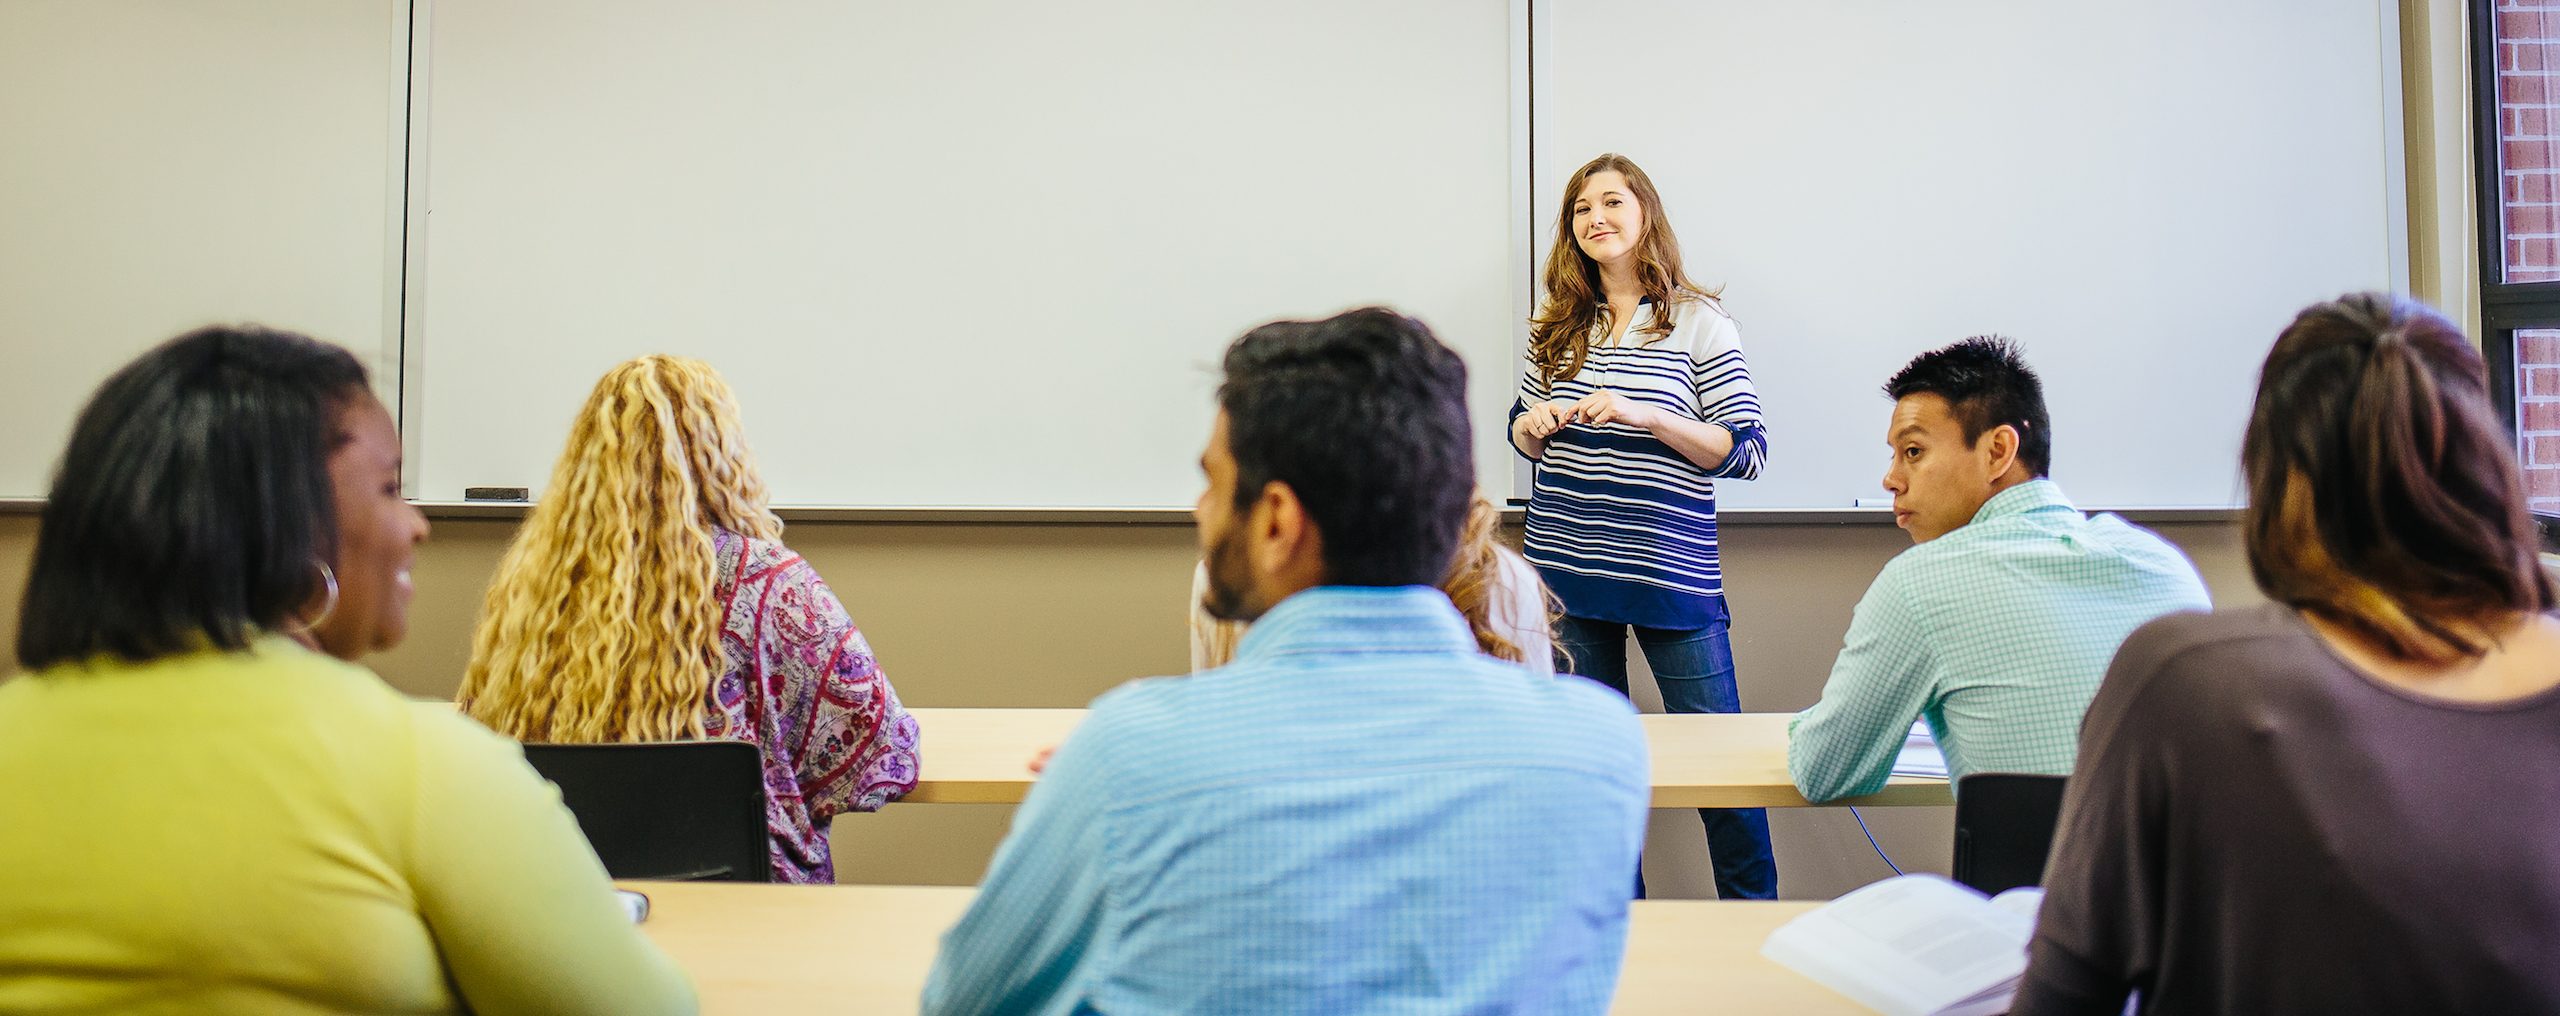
pixel 1917 945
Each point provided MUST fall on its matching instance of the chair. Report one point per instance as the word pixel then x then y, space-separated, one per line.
pixel 682 810
pixel 2004 829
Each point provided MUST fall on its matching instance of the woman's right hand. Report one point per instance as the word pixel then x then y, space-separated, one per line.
pixel 1530 429
pixel 1541 421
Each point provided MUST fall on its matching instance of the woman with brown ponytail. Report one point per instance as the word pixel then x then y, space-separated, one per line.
pixel 2347 800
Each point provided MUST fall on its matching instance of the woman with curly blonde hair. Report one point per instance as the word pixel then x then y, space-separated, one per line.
pixel 649 598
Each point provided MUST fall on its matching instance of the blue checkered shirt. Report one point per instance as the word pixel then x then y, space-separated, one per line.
pixel 1361 814
pixel 1996 635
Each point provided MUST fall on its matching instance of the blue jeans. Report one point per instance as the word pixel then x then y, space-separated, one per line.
pixel 1694 670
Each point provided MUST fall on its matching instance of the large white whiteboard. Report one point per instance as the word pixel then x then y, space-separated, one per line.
pixel 2142 194
pixel 950 254
pixel 985 254
pixel 165 165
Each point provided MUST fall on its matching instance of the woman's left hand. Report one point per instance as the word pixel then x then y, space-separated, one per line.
pixel 1605 406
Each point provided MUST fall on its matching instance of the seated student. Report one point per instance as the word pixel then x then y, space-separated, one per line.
pixel 648 597
pixel 1364 813
pixel 208 807
pixel 1995 627
pixel 1493 587
pixel 2344 801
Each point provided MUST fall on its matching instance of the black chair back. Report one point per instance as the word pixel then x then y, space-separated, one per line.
pixel 2004 829
pixel 688 810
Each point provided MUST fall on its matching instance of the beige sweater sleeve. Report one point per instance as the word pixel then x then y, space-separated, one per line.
pixel 1519 610
pixel 1213 642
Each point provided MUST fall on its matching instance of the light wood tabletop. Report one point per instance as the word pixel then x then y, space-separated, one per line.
pixel 867 949
pixel 1700 760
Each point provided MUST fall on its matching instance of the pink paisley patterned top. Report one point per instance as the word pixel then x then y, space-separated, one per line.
pixel 800 682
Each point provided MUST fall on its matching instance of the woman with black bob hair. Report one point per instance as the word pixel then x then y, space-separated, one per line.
pixel 210 808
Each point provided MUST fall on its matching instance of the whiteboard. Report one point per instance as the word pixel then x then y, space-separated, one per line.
pixel 2141 194
pixel 985 254
pixel 950 254
pixel 170 165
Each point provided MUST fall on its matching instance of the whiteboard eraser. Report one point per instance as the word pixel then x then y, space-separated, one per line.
pixel 1870 502
pixel 497 493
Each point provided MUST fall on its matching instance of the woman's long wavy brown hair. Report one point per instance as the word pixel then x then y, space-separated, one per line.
pixel 1575 307
pixel 2384 495
pixel 602 623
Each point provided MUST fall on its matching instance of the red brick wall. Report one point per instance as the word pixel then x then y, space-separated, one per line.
pixel 2529 148
pixel 2538 415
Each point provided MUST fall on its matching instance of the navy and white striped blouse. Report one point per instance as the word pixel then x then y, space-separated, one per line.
pixel 1621 525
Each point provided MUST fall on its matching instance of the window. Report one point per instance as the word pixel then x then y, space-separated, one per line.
pixel 2515 55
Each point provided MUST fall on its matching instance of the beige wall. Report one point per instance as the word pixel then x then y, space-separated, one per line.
pixel 1047 615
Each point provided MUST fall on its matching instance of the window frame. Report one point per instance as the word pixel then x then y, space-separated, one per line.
pixel 2505 307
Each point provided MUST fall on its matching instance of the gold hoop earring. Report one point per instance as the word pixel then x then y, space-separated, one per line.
pixel 329 582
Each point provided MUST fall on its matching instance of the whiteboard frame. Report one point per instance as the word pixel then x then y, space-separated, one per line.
pixel 1524 223
pixel 410 268
pixel 400 197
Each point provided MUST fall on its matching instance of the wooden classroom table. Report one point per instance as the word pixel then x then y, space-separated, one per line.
pixel 868 949
pixel 1700 760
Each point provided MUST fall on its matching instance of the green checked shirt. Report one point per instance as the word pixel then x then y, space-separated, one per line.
pixel 1995 634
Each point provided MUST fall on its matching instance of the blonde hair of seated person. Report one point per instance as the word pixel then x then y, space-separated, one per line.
pixel 1474 583
pixel 602 623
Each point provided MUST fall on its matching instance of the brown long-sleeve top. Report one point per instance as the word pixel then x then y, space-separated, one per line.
pixel 2256 826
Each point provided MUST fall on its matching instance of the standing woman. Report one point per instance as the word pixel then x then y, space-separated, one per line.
pixel 1635 401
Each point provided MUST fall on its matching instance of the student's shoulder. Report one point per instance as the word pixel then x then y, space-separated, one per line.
pixel 1919 572
pixel 1580 719
pixel 1942 581
pixel 1148 706
pixel 349 691
pixel 756 559
pixel 366 714
pixel 1163 730
pixel 1555 704
pixel 1583 700
pixel 446 736
pixel 761 574
pixel 2124 533
pixel 1980 547
pixel 2190 657
pixel 2161 570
